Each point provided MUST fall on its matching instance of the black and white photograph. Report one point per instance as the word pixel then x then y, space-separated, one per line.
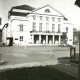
pixel 39 39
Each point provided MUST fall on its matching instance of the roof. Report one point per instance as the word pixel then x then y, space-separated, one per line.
pixel 27 7
pixel 23 7
pixel 17 13
pixel 65 18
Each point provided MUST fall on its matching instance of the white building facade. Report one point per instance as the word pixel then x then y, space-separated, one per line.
pixel 27 25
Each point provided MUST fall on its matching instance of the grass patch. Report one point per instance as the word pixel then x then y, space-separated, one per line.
pixel 34 73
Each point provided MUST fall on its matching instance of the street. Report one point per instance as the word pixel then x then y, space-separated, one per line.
pixel 18 54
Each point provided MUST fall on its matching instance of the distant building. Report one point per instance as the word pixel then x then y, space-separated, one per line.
pixel 28 25
pixel 0 21
pixel 0 32
pixel 0 35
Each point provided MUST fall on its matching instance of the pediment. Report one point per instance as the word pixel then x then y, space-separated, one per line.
pixel 47 10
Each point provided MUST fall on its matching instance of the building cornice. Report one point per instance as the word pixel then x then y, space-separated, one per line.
pixel 45 14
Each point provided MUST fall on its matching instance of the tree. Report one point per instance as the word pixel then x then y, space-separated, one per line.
pixel 77 2
pixel 76 37
pixel 64 38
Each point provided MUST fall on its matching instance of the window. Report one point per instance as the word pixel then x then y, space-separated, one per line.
pixel 47 18
pixel 16 38
pixel 40 17
pixel 40 27
pixel 47 10
pixel 34 26
pixel 21 38
pixel 47 26
pixel 59 19
pixel 66 29
pixel 53 27
pixel 34 17
pixel 59 27
pixel 53 18
pixel 21 27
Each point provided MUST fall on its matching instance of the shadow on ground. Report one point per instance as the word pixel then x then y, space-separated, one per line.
pixel 64 60
pixel 66 66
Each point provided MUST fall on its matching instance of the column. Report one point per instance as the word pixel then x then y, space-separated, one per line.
pixel 53 39
pixel 46 39
pixel 59 39
pixel 39 39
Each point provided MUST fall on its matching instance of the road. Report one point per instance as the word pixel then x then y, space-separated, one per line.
pixel 18 54
pixel 39 55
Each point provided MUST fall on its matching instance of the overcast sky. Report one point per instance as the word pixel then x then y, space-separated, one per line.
pixel 66 7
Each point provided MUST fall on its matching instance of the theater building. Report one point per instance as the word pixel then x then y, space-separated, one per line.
pixel 27 25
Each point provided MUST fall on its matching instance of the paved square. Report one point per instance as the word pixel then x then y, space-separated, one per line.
pixel 18 54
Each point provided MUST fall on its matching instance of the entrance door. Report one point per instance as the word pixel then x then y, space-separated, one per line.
pixel 56 39
pixel 36 39
pixel 11 41
pixel 49 38
pixel 43 39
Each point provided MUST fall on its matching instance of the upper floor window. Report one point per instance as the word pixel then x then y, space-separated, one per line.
pixel 21 38
pixel 34 26
pixel 40 27
pixel 34 17
pixel 21 27
pixel 47 26
pixel 53 18
pixel 47 10
pixel 59 27
pixel 59 19
pixel 66 29
pixel 53 27
pixel 47 18
pixel 41 17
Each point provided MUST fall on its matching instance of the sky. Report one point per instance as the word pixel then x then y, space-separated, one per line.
pixel 66 7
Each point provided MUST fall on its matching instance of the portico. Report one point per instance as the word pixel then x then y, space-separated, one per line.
pixel 46 39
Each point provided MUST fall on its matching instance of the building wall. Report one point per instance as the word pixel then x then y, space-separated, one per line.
pixel 69 32
pixel 42 21
pixel 4 34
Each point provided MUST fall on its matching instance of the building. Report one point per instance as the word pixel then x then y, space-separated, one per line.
pixel 27 25
pixel 0 35
pixel 0 32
